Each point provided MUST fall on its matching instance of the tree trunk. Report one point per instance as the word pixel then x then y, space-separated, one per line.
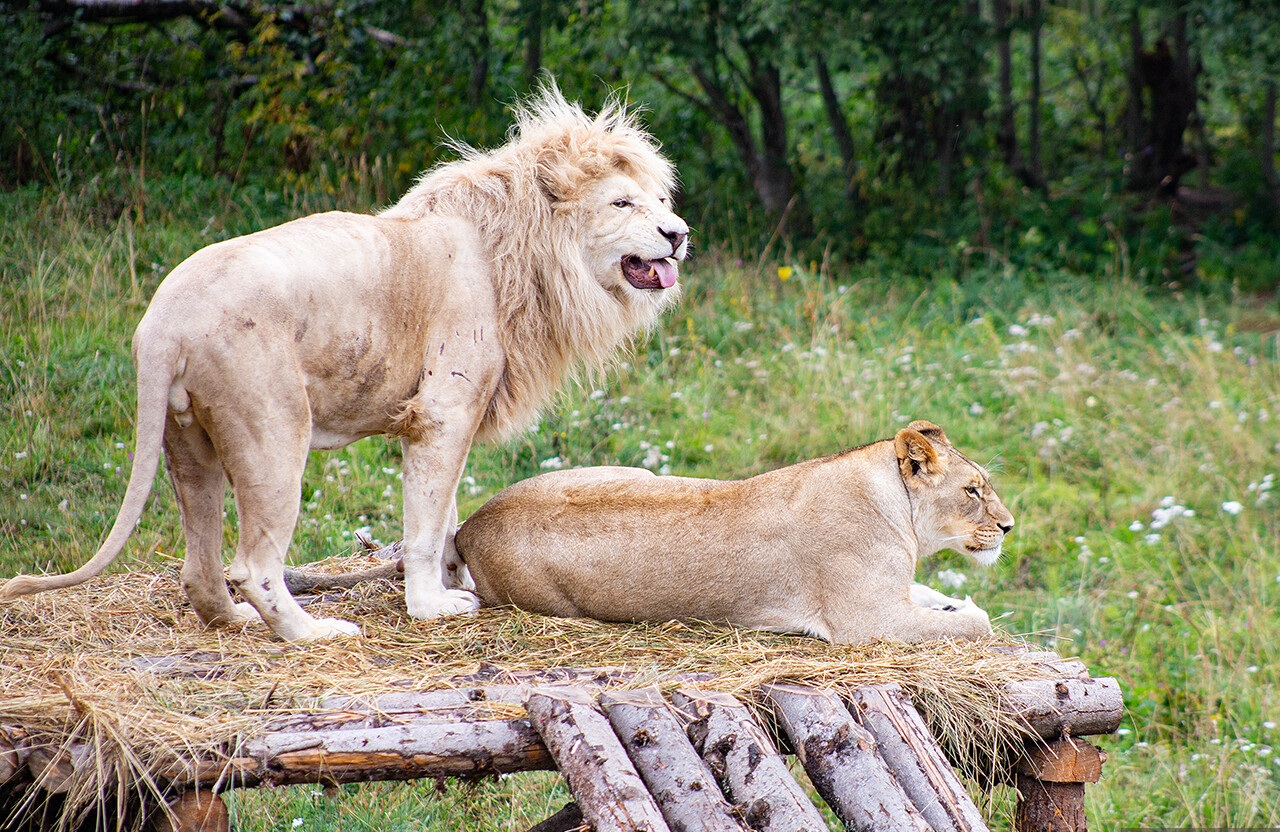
pixel 1007 132
pixel 766 160
pixel 1268 144
pixel 534 25
pixel 478 24
pixel 773 179
pixel 1137 154
pixel 1035 170
pixel 839 124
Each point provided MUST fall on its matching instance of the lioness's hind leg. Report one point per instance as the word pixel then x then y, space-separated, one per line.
pixel 265 463
pixel 200 486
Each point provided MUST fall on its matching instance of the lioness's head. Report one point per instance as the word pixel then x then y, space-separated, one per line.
pixel 954 505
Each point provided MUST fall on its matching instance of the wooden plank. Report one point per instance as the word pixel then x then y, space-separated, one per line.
pixel 1063 761
pixel 916 759
pixel 840 757
pixel 679 780
pixel 751 772
pixel 603 781
pixel 1066 707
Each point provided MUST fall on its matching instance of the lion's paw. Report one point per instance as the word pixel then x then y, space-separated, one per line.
pixel 245 613
pixel 441 603
pixel 971 610
pixel 327 628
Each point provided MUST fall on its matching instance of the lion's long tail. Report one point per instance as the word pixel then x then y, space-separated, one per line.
pixel 155 374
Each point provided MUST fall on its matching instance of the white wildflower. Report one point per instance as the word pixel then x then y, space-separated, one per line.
pixel 952 579
pixel 555 463
pixel 1232 507
pixel 1017 331
pixel 1136 526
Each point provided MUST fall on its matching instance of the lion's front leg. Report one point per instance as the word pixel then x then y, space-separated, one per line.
pixel 431 476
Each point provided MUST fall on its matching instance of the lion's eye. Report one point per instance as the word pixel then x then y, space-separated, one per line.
pixel 622 203
pixel 973 491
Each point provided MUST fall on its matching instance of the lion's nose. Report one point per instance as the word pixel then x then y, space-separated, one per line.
pixel 675 236
pixel 1006 527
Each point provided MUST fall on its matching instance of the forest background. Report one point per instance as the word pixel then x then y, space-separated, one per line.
pixel 1052 227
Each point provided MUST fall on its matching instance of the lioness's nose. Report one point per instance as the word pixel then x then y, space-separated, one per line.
pixel 1005 527
pixel 675 236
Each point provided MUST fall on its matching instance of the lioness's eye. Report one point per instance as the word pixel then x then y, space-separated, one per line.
pixel 973 491
pixel 622 203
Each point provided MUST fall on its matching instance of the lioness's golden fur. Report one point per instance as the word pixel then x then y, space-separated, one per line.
pixel 451 316
pixel 827 547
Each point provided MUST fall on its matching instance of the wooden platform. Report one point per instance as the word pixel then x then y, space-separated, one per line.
pixel 638 758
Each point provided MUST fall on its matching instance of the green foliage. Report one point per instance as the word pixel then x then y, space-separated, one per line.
pixel 311 96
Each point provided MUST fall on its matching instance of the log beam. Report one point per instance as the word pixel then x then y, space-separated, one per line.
pixel 680 782
pixel 915 758
pixel 751 772
pixel 840 757
pixel 1070 707
pixel 605 784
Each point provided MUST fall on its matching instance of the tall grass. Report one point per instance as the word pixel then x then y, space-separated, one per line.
pixel 1134 432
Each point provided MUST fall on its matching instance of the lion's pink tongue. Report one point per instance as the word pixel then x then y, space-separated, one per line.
pixel 666 272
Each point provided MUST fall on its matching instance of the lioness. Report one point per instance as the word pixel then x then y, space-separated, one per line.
pixel 450 317
pixel 826 547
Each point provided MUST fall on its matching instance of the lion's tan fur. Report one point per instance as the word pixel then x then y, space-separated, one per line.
pixel 451 316
pixel 827 547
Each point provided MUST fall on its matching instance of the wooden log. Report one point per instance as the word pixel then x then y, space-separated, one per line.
pixel 13 752
pixel 1066 707
pixel 195 810
pixel 916 759
pixel 1050 782
pixel 54 767
pixel 677 778
pixel 1049 807
pixel 602 779
pixel 751 772
pixel 567 819
pixel 840 757
pixel 397 752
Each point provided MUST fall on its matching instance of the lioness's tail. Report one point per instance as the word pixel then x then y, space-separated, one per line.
pixel 155 374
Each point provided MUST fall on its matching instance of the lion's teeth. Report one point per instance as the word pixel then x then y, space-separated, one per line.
pixel 653 272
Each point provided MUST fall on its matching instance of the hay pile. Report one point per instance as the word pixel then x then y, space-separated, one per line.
pixel 79 666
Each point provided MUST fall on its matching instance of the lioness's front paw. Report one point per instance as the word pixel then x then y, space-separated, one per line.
pixel 441 603
pixel 971 610
pixel 326 628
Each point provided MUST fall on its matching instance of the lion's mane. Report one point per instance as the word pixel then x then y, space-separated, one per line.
pixel 555 315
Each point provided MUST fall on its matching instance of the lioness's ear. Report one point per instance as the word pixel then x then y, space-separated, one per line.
pixel 929 429
pixel 917 458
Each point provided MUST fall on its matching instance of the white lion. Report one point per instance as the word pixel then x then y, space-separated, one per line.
pixel 450 317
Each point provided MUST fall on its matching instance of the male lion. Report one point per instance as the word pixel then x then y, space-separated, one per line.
pixel 450 317
pixel 826 547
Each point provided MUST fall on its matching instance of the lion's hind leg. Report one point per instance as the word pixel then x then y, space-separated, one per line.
pixel 265 461
pixel 200 485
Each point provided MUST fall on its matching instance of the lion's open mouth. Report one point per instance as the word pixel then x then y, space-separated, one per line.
pixel 649 274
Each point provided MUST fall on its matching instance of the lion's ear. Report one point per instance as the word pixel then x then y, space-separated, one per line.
pixel 917 458
pixel 930 430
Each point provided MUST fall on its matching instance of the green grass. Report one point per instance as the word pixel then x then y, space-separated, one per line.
pixel 1094 399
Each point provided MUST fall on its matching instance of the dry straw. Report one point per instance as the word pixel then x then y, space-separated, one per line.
pixel 121 669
